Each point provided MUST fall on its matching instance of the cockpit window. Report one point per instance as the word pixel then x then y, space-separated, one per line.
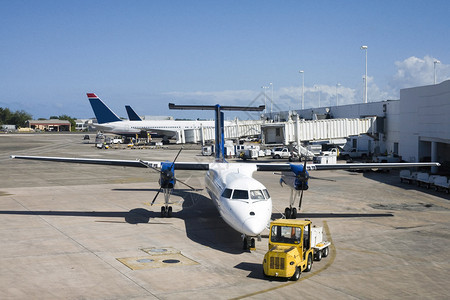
pixel 240 194
pixel 256 195
pixel 266 193
pixel 227 193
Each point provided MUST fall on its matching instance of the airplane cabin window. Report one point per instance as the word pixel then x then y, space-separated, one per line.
pixel 240 194
pixel 256 195
pixel 227 193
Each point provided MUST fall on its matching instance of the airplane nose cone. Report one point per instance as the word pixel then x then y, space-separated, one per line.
pixel 253 226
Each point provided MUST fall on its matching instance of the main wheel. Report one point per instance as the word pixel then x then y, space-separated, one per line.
pixel 296 275
pixel 309 263
pixel 252 243
pixel 325 252
pixel 319 255
pixel 287 212
pixel 294 213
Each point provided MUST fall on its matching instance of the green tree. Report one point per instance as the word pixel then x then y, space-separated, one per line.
pixel 18 118
pixel 5 114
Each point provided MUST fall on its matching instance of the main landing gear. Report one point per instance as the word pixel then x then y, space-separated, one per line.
pixel 166 211
pixel 290 212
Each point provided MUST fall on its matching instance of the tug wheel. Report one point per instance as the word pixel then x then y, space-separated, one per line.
pixel 325 252
pixel 309 263
pixel 297 274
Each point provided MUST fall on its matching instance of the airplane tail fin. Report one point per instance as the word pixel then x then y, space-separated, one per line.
pixel 132 115
pixel 102 112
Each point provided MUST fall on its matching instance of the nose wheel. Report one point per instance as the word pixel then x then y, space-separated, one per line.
pixel 166 211
pixel 248 243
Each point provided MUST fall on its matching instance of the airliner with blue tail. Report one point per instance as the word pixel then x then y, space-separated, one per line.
pixel 109 122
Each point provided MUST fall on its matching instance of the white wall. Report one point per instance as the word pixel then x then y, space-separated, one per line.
pixel 425 116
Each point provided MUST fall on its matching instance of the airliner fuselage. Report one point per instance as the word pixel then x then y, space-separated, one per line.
pixel 243 202
pixel 165 127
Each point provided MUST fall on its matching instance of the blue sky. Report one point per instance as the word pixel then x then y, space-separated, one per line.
pixel 148 53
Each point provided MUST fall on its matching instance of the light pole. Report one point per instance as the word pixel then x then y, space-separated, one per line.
pixel 365 77
pixel 303 88
pixel 337 96
pixel 271 100
pixel 265 97
pixel 435 62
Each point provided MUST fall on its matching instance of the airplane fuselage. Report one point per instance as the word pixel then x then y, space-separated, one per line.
pixel 162 127
pixel 243 202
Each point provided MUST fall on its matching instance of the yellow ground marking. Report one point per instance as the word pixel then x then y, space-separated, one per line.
pixel 330 261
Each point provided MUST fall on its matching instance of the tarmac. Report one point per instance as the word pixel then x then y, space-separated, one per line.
pixel 71 231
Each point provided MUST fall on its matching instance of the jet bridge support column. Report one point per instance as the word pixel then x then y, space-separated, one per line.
pixel 220 147
pixel 220 144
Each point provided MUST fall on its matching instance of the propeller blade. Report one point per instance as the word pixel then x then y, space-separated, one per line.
pixel 176 157
pixel 301 198
pixel 186 185
pixel 304 167
pixel 156 196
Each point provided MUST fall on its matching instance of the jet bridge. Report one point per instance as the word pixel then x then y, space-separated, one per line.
pixel 285 132
pixel 316 130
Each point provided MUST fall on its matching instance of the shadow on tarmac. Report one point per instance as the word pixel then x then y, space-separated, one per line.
pixel 134 216
pixel 255 269
pixel 202 220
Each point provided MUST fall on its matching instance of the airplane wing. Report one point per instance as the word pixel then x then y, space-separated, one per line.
pixel 269 167
pixel 116 162
pixel 278 167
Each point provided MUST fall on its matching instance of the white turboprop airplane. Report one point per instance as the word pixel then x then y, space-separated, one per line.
pixel 242 201
pixel 108 121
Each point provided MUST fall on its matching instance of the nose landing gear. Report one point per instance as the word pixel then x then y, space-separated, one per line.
pixel 248 243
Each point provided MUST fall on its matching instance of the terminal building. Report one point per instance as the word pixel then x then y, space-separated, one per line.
pixel 416 127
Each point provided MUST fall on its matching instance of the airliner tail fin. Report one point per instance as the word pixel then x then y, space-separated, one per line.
pixel 132 115
pixel 102 112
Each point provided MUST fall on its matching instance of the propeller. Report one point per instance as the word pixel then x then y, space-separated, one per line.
pixel 166 175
